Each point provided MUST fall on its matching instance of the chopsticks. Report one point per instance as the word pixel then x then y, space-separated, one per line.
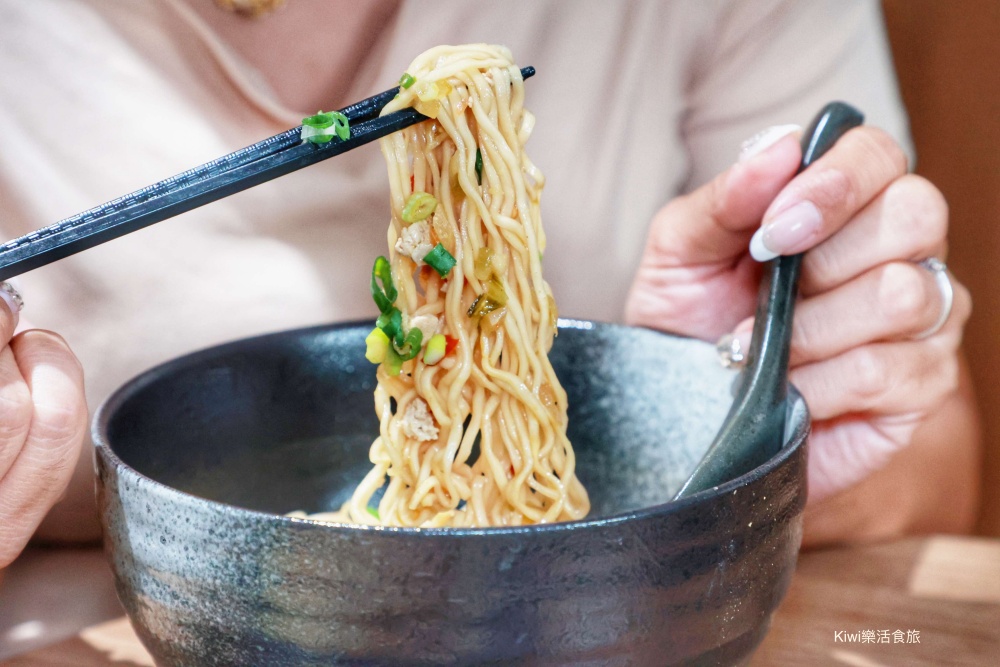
pixel 265 160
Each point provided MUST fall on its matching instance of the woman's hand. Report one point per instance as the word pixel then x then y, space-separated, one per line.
pixel 43 420
pixel 870 380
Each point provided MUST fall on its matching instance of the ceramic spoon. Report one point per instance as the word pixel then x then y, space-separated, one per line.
pixel 754 429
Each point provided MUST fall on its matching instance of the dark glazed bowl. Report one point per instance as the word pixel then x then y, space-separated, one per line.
pixel 199 458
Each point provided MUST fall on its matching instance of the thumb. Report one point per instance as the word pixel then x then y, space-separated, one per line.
pixel 696 276
pixel 713 224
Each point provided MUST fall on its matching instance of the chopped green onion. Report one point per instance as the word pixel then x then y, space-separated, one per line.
pixel 406 80
pixel 479 166
pixel 322 127
pixel 321 120
pixel 391 324
pixel 385 295
pixel 409 347
pixel 435 350
pixel 419 206
pixel 393 362
pixel 377 344
pixel 440 260
pixel 374 512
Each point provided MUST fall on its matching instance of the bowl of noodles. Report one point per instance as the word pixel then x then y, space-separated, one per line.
pixel 199 461
pixel 510 499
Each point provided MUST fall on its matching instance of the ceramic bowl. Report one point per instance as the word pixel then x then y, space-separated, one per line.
pixel 200 458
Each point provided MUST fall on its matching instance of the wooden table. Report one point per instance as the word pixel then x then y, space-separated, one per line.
pixel 932 601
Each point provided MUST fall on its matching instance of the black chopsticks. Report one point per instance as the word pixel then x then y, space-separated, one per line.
pixel 265 160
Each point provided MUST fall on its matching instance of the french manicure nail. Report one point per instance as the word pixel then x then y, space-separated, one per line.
pixel 764 139
pixel 758 250
pixel 787 233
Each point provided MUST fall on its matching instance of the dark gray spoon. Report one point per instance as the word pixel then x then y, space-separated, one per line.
pixel 754 428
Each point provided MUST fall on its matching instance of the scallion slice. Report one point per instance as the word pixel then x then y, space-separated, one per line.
pixel 323 127
pixel 406 80
pixel 376 344
pixel 479 166
pixel 410 346
pixel 391 324
pixel 440 260
pixel 419 206
pixel 393 362
pixel 436 349
pixel 385 295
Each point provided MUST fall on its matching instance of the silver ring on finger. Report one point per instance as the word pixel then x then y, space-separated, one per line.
pixel 730 351
pixel 13 298
pixel 940 271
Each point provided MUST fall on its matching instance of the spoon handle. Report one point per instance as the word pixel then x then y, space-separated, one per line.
pixel 767 359
pixel 754 429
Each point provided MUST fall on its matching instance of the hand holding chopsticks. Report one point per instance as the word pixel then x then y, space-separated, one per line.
pixel 265 160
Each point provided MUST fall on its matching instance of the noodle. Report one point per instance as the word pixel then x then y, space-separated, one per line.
pixel 478 437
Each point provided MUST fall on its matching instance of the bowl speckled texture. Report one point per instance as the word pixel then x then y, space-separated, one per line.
pixel 198 459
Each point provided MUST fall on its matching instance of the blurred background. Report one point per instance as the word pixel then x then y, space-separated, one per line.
pixel 947 58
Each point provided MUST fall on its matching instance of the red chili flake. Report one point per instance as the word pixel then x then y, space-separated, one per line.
pixel 450 345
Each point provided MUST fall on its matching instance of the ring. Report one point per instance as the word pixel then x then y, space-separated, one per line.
pixel 13 298
pixel 731 353
pixel 940 271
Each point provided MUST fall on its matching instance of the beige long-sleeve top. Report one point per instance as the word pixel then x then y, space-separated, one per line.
pixel 636 101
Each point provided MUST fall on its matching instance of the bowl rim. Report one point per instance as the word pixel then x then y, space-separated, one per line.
pixel 795 441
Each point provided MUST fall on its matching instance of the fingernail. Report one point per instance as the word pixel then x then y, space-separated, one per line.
pixel 11 297
pixel 786 233
pixel 764 139
pixel 758 250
